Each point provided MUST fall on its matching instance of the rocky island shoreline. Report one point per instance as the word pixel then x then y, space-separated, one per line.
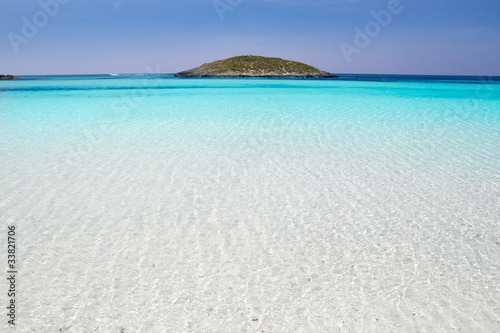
pixel 8 77
pixel 255 66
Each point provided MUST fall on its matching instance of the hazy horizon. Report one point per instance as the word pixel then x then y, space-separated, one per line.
pixel 172 73
pixel 64 37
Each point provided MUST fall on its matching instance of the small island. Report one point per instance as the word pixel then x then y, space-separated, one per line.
pixel 8 77
pixel 255 66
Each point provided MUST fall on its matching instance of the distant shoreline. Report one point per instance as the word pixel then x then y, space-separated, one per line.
pixel 8 77
pixel 251 66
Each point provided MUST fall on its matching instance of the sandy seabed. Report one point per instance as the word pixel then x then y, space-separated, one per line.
pixel 229 227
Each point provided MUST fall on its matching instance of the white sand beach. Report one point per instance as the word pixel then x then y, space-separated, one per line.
pixel 251 224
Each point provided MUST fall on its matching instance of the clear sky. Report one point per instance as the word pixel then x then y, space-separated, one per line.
pixel 457 37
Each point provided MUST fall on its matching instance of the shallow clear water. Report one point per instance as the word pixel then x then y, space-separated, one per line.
pixel 150 203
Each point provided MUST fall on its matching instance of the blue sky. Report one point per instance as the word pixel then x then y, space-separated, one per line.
pixel 456 37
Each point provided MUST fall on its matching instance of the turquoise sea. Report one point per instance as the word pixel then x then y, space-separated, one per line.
pixel 369 203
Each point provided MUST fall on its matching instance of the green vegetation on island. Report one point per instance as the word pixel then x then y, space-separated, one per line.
pixel 8 77
pixel 255 66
